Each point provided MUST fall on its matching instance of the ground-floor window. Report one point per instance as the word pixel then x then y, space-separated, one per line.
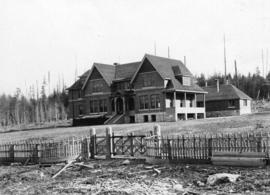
pixel 155 101
pixel 231 104
pixel 143 102
pixel 244 102
pixel 132 119
pixel 153 118
pixel 145 118
pixel 80 109
pixel 97 106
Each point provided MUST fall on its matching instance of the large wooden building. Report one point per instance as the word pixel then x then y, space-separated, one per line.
pixel 153 89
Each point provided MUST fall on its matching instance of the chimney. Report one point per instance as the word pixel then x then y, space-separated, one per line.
pixel 206 84
pixel 217 85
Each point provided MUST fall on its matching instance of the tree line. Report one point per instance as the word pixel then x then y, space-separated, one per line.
pixel 36 107
pixel 254 85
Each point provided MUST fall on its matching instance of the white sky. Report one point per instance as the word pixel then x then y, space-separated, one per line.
pixel 37 36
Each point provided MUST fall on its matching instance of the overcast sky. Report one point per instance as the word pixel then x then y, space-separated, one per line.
pixel 37 36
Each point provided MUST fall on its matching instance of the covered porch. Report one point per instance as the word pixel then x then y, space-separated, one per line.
pixel 185 105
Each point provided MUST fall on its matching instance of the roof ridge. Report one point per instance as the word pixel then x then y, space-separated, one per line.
pixel 165 58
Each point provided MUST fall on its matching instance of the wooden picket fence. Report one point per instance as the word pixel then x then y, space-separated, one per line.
pixel 199 149
pixel 191 149
pixel 43 151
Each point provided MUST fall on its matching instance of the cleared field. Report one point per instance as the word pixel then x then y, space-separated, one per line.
pixel 236 124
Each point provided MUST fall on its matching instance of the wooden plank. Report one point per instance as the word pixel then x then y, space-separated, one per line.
pixel 239 161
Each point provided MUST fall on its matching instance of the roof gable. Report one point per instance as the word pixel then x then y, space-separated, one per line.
pixel 106 71
pixel 95 74
pixel 168 69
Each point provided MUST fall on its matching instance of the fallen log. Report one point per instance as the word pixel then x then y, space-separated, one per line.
pixel 238 161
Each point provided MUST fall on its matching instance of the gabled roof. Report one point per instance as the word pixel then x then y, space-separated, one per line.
pixel 125 71
pixel 79 83
pixel 106 71
pixel 168 69
pixel 226 92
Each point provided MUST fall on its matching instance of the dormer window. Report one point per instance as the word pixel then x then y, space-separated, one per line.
pixel 186 81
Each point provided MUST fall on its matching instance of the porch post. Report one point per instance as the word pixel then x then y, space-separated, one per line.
pixel 195 106
pixel 185 99
pixel 115 109
pixel 185 104
pixel 124 105
pixel 204 100
pixel 204 105
pixel 174 99
pixel 195 100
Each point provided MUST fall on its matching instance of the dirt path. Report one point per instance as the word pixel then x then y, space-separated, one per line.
pixel 111 177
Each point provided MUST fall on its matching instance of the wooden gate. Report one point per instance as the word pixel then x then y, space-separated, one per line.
pixel 131 145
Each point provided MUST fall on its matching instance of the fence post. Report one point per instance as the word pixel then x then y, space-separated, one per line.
pixel 11 153
pixel 131 144
pixel 109 142
pixel 92 143
pixel 210 141
pixel 259 143
pixel 157 134
pixel 35 154
pixel 169 149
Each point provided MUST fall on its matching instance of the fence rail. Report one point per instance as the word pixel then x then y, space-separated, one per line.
pixel 181 148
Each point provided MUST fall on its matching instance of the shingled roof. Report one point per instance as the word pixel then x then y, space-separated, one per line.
pixel 170 68
pixel 226 92
pixel 166 67
pixel 79 83
pixel 126 71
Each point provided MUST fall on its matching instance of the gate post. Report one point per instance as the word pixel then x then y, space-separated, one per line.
pixel 92 143
pixel 109 142
pixel 210 141
pixel 157 134
pixel 131 144
pixel 11 153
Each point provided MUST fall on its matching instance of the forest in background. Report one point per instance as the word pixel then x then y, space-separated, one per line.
pixel 39 105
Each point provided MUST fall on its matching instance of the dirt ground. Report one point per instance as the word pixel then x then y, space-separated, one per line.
pixel 104 177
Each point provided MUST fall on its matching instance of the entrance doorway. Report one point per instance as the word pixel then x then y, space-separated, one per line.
pixel 119 106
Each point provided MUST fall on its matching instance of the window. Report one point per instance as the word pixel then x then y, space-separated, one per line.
pixel 153 118
pixel 112 105
pixel 145 118
pixel 101 106
pixel 155 101
pixel 143 102
pixel 231 104
pixel 95 106
pixel 97 85
pixel 148 81
pixel 187 81
pixel 244 102
pixel 98 106
pixel 132 119
pixel 80 110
